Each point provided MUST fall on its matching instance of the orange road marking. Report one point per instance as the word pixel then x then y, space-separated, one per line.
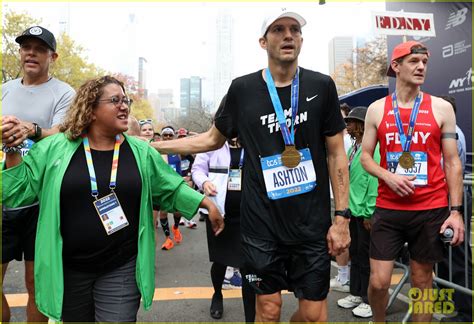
pixel 176 293
pixel 161 294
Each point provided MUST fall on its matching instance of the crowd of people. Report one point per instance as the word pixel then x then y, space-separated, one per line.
pixel 86 186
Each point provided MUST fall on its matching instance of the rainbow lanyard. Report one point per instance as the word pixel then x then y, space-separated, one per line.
pixel 90 165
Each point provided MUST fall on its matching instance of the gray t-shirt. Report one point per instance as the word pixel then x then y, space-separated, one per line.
pixel 45 104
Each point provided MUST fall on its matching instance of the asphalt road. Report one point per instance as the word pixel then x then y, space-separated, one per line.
pixel 184 288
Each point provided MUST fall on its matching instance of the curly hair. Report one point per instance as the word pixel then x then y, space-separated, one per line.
pixel 79 115
pixel 357 130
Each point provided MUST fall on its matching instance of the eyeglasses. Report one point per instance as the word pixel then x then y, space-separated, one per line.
pixel 116 101
pixel 145 121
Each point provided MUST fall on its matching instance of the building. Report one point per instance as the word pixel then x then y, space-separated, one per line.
pixel 341 50
pixel 223 73
pixel 142 75
pixel 195 92
pixel 190 94
pixel 165 98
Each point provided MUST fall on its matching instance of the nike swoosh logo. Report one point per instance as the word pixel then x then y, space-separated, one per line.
pixel 309 99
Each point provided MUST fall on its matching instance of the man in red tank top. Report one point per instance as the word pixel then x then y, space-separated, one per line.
pixel 414 131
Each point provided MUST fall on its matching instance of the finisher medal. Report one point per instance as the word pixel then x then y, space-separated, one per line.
pixel 290 157
pixel 406 160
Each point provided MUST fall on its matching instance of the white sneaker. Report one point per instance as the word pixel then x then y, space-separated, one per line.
pixel 182 221
pixel 349 301
pixel 363 310
pixel 191 224
pixel 336 285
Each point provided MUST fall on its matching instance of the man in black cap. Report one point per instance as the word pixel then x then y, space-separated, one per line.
pixel 33 107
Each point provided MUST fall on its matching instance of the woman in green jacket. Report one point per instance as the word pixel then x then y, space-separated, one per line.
pixel 95 249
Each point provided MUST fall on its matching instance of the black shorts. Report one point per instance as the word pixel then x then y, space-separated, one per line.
pixel 19 233
pixel 301 268
pixel 419 228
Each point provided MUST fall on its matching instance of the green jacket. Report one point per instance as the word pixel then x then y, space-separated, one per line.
pixel 362 186
pixel 39 177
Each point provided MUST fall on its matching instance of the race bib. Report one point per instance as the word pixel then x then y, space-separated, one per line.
pixel 235 180
pixel 27 146
pixel 111 213
pixel 282 182
pixel 419 169
pixel 185 165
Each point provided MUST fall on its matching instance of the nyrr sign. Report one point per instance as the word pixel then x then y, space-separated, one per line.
pixel 404 23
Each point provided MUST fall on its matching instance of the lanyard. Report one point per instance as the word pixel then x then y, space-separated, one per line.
pixel 288 137
pixel 355 148
pixel 406 140
pixel 241 162
pixel 90 165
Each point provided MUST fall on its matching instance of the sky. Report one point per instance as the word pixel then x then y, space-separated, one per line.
pixel 178 39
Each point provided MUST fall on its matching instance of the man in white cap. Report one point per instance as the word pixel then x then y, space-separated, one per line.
pixel 414 130
pixel 289 123
pixel 33 107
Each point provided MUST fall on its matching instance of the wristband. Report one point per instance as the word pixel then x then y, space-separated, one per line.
pixel 344 213
pixel 38 132
pixel 457 208
pixel 16 149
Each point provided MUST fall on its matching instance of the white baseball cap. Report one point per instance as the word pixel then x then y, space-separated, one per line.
pixel 282 13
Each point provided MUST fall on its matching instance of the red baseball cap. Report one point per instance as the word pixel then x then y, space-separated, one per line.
pixel 405 49
pixel 182 132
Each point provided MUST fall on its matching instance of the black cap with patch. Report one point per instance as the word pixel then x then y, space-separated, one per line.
pixel 40 33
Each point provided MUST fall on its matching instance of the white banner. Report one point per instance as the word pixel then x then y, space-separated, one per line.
pixel 404 23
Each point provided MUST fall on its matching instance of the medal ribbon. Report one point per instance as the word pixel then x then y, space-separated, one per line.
pixel 90 165
pixel 241 162
pixel 288 137
pixel 406 140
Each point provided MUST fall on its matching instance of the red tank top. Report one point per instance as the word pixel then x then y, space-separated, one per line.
pixel 426 138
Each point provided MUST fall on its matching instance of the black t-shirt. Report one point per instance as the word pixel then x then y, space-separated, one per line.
pixel 86 245
pixel 233 197
pixel 248 112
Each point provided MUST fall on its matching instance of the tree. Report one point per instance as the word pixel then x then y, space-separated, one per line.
pixel 198 120
pixel 369 69
pixel 71 67
pixel 14 25
pixel 141 108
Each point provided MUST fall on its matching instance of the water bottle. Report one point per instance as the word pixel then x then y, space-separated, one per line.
pixel 447 235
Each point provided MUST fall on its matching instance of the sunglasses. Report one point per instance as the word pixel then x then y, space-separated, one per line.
pixel 145 121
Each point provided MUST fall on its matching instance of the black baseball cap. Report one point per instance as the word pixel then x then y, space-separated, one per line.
pixel 40 33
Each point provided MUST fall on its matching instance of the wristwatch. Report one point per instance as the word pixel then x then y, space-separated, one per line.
pixel 456 208
pixel 38 132
pixel 344 213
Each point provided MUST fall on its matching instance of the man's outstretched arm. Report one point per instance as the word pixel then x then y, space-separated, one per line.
pixel 204 142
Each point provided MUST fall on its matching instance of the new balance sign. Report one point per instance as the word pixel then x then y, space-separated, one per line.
pixel 404 23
